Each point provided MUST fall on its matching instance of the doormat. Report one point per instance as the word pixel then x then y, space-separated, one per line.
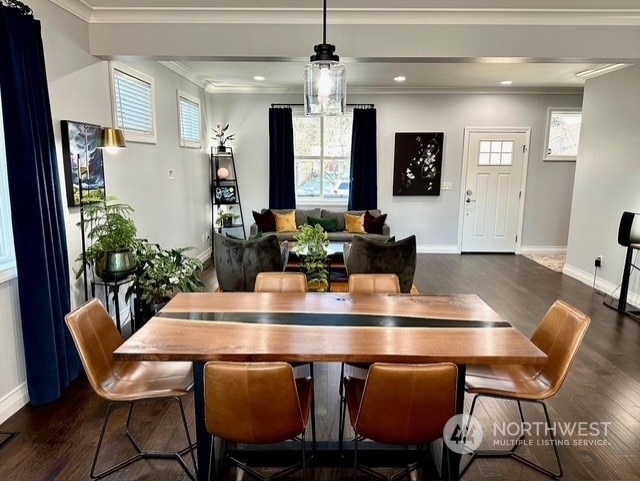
pixel 555 262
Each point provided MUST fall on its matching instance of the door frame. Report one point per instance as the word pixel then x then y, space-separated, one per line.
pixel 523 180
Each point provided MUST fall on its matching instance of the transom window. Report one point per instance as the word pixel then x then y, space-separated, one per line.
pixel 133 103
pixel 563 134
pixel 496 152
pixel 322 147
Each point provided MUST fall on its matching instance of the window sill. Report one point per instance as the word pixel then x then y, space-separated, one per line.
pixel 7 273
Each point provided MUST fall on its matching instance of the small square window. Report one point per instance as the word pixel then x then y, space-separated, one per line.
pixel 188 120
pixel 563 134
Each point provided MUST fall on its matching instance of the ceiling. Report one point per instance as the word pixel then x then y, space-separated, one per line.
pixel 447 58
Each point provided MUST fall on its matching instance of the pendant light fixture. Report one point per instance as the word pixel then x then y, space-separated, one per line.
pixel 325 83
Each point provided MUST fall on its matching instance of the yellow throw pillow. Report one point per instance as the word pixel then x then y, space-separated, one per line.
pixel 286 222
pixel 354 223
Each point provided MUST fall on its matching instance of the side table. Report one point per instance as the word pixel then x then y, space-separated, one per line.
pixel 112 285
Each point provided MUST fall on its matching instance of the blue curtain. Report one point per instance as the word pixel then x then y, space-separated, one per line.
pixel 282 187
pixel 363 193
pixel 36 206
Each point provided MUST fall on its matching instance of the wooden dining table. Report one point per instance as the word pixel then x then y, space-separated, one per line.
pixel 326 327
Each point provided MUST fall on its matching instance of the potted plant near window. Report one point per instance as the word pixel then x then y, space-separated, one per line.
pixel 113 237
pixel 159 275
pixel 222 137
pixel 311 248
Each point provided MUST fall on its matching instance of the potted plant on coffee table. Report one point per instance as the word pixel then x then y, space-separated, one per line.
pixel 159 275
pixel 113 238
pixel 311 248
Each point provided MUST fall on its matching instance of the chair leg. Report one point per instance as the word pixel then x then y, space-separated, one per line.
pixel 313 409
pixel 341 409
pixel 511 453
pixel 140 453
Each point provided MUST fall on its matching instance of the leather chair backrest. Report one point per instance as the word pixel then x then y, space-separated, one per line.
pixel 559 336
pixel 253 403
pixel 96 337
pixel 238 262
pixel 373 284
pixel 281 282
pixel 368 256
pixel 407 403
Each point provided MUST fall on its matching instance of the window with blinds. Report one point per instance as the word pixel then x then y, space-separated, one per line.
pixel 7 257
pixel 133 103
pixel 189 120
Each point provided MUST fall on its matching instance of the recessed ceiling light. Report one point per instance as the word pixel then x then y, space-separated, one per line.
pixel 259 78
pixel 506 82
pixel 400 78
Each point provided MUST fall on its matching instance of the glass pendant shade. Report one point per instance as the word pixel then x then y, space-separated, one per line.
pixel 325 88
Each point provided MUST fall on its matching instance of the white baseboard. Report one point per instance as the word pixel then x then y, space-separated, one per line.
pixel 601 285
pixel 204 257
pixel 438 249
pixel 549 250
pixel 12 402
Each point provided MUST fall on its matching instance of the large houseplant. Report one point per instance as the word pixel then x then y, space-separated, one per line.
pixel 160 273
pixel 112 235
pixel 311 247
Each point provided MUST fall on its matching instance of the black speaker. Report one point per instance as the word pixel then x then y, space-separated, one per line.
pixel 629 229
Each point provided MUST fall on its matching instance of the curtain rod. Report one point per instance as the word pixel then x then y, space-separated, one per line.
pixel 360 106
pixel 25 9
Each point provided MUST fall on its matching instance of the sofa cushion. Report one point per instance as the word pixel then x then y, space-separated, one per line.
pixel 329 225
pixel 373 224
pixel 265 220
pixel 354 223
pixel 285 222
pixel 338 216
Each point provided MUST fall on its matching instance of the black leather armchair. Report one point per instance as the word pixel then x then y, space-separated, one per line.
pixel 238 262
pixel 367 256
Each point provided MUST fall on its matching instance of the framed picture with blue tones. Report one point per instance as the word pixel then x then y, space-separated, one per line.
pixel 83 162
pixel 417 167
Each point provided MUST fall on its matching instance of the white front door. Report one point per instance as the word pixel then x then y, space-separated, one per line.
pixel 492 191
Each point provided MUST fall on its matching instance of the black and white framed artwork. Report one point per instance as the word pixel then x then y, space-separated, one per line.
pixel 417 167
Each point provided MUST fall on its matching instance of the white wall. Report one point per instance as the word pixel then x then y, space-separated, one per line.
pixel 607 180
pixel 13 377
pixel 434 220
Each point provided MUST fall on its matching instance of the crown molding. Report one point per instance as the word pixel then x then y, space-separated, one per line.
pixel 351 16
pixel 79 8
pixel 183 71
pixel 600 70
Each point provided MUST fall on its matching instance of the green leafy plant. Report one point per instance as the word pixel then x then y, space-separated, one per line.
pixel 225 217
pixel 162 272
pixel 311 247
pixel 109 228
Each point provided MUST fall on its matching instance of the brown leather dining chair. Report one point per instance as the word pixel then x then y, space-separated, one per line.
pixel 119 382
pixel 289 282
pixel 401 404
pixel 256 403
pixel 559 336
pixel 281 282
pixel 363 284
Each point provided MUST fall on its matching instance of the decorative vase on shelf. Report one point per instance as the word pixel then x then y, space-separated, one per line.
pixel 222 149
pixel 227 222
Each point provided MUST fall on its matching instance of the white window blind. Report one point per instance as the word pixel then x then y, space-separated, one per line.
pixel 189 120
pixel 7 256
pixel 133 104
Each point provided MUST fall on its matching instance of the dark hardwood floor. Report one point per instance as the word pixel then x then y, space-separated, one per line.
pixel 57 441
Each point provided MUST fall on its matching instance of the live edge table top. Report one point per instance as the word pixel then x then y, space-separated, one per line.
pixel 329 327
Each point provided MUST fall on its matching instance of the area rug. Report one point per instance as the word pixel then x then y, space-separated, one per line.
pixel 555 262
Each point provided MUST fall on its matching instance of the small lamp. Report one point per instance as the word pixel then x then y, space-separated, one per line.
pixel 325 83
pixel 111 139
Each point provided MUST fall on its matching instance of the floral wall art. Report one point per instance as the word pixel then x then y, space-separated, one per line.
pixel 417 168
